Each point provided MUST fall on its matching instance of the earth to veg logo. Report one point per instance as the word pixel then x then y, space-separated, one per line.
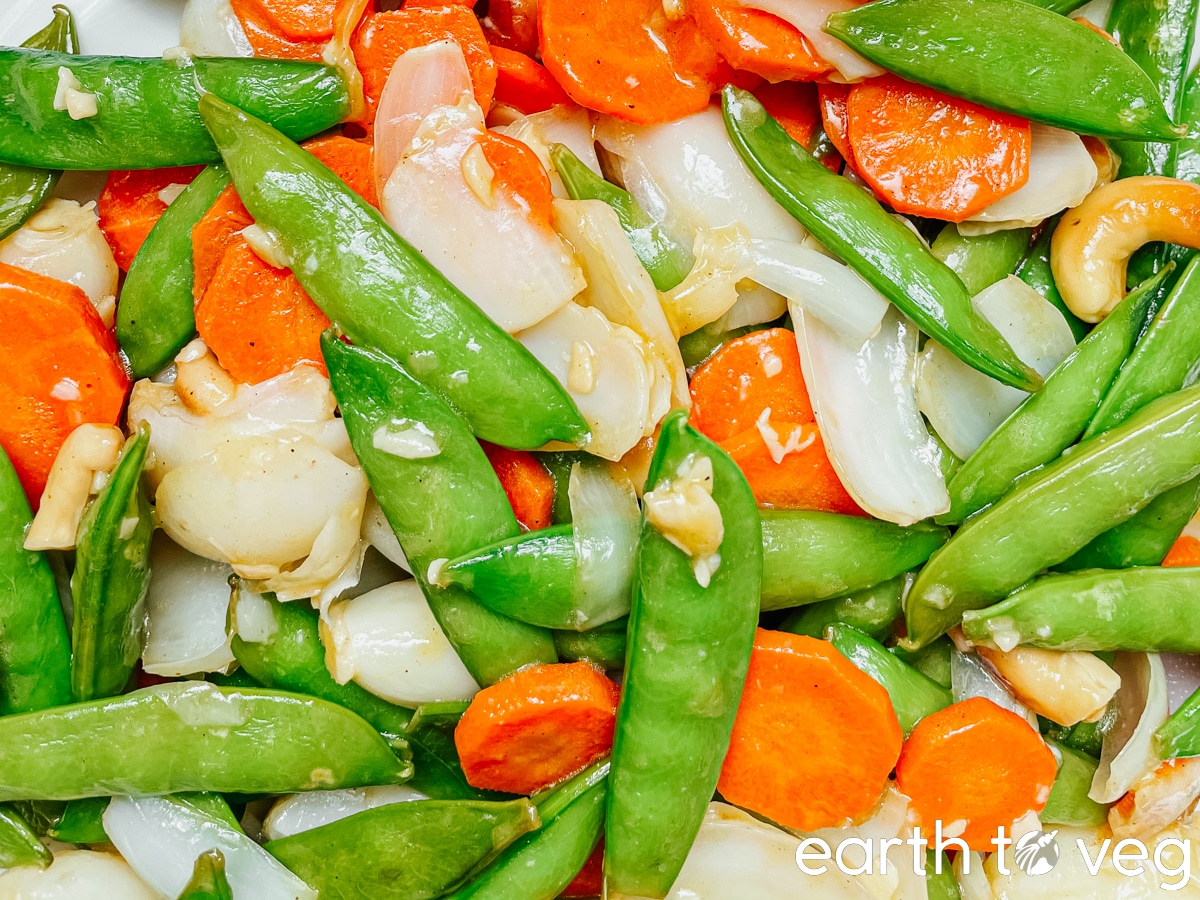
pixel 1036 853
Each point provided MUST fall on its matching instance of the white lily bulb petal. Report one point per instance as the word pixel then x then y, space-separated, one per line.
pixel 963 405
pixel 186 611
pixel 971 677
pixel 211 28
pixel 562 124
pixel 76 875
pixel 63 240
pixel 378 533
pixel 389 642
pixel 809 18
pixel 312 809
pixel 1127 752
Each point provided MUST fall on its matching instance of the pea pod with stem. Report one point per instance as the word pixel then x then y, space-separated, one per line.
pixel 1035 271
pixel 208 881
pixel 385 294
pixel 980 260
pixel 81 822
pixel 872 611
pixel 19 846
pixel 1069 803
pixel 854 226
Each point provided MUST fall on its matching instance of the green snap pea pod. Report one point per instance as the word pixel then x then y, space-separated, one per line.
pixel 406 851
pixel 191 736
pixel 112 575
pixel 933 660
pixel 558 464
pixel 1055 511
pixel 1187 153
pixel 871 611
pixel 1083 83
pixel 1059 6
pixel 702 343
pixel 19 846
pixel 208 881
pixel 1035 271
pixel 539 865
pixel 981 260
pixel 238 678
pixel 82 822
pixel 1086 737
pixel 35 651
pixel 439 506
pixel 147 109
pixel 438 772
pixel 156 315
pixel 1180 734
pixel 689 649
pixel 666 261
pixel 940 883
pixel 1149 608
pixel 851 222
pixel 385 294
pixel 1069 803
pixel 23 190
pixel 1048 422
pixel 605 645
pixel 914 696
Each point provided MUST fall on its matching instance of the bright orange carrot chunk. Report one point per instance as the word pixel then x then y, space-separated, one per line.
pixel 215 231
pixel 130 204
pixel 803 478
pixel 814 740
pixel 520 174
pixel 529 487
pixel 751 40
pixel 975 763
pixel 60 368
pixel 793 105
pixel 293 20
pixel 352 161
pixel 1184 552
pixel 536 727
pixel 929 154
pixel 831 98
pixel 270 39
pixel 525 84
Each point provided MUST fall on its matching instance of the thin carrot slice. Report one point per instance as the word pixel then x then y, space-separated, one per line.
pixel 267 38
pixel 590 880
pixel 977 764
pixel 437 4
pixel 382 37
pixel 525 84
pixel 520 174
pixel 932 155
pixel 627 59
pixel 215 231
pixel 258 320
pixel 293 20
pixel 793 105
pixel 831 98
pixel 352 161
pixel 60 368
pixel 526 482
pixel 814 740
pixel 751 40
pixel 801 479
pixel 130 204
pixel 536 727
pixel 1184 552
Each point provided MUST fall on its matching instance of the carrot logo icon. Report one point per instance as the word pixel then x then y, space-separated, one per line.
pixel 1037 852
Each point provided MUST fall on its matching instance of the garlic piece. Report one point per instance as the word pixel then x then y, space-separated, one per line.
pixel 683 511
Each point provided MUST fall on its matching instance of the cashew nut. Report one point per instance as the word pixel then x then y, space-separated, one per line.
pixel 1093 242
pixel 200 381
pixel 1064 686
pixel 87 450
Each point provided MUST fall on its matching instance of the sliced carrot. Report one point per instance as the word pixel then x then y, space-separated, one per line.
pixel 130 204
pixel 60 368
pixel 258 320
pixel 525 84
pixel 831 98
pixel 437 4
pixel 520 174
pixel 590 880
pixel 382 37
pixel 526 482
pixel 627 59
pixel 1096 29
pixel 352 161
pixel 929 154
pixel 977 764
pixel 512 24
pixel 751 40
pixel 814 740
pixel 536 727
pixel 294 20
pixel 801 479
pixel 793 105
pixel 215 231
pixel 1184 552
pixel 267 38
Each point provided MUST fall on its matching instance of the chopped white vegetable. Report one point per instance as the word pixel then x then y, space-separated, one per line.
pixel 1138 708
pixel 378 533
pixel 76 875
pixel 303 812
pixel 71 98
pixel 681 508
pixel 562 124
pixel 606 523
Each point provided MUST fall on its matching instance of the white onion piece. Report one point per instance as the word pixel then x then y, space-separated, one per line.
pixel 1183 677
pixel 970 677
pixel 809 17
pixel 606 522
pixel 304 812
pixel 162 836
pixel 388 642
pixel 252 616
pixel 63 240
pixel 1139 707
pixel 76 875
pixel 755 305
pixel 1061 174
pixel 378 533
pixel 566 125
pixel 186 611
pixel 864 398
pixel 964 406
pixel 971 877
pixel 211 28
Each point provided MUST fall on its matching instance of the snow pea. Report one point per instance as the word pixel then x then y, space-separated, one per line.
pixel 539 865
pixel 1187 154
pixel 208 881
pixel 1035 271
pixel 439 773
pixel 385 294
pixel 689 649
pixel 914 696
pixel 35 651
pixel 1048 422
pixel 605 646
pixel 156 315
pixel 112 575
pixel 1084 83
pixel 1141 540
pixel 981 260
pixel 1180 734
pixel 1069 803
pixel 667 261
pixel 1055 511
pixel 1086 737
pixel 1059 6
pixel 440 506
pixel 940 883
pixel 1147 608
pixel 81 822
pixel 191 736
pixel 148 116
pixel 19 846
pixel 850 222
pixel 407 851
pixel 702 343
pixel 871 611
pixel 22 189
pixel 933 660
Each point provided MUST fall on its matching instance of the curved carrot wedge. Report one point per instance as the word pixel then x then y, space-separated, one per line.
pixel 832 100
pixel 793 104
pixel 130 204
pixel 268 39
pixel 815 739
pixel 60 367
pixel 976 763
pixel 526 482
pixel 293 20
pixel 803 478
pixel 215 231
pixel 751 40
pixel 520 174
pixel 537 727
pixel 1184 552
pixel 525 84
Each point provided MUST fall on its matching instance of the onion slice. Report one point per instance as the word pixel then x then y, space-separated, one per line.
pixel 303 812
pixel 970 677
pixel 211 28
pixel 606 522
pixel 1137 710
pixel 808 17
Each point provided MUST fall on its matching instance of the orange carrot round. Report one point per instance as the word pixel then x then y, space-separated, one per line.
pixel 130 204
pixel 293 20
pixel 60 368
pixel 978 764
pixel 814 740
pixel 520 174
pixel 752 40
pixel 215 231
pixel 352 161
pixel 524 84
pixel 929 154
pixel 526 482
pixel 793 105
pixel 831 98
pixel 802 479
pixel 536 727
pixel 268 38
pixel 1184 552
